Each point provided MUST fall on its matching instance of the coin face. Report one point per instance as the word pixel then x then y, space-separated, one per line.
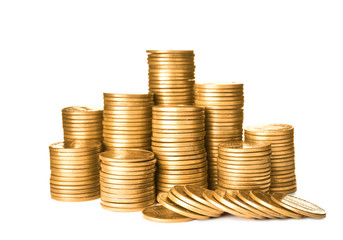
pixel 270 129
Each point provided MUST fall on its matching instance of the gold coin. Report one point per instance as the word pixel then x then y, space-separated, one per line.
pixel 74 183
pixel 158 213
pixel 270 129
pixel 219 198
pixel 73 173
pixel 128 205
pixel 121 209
pixel 74 199
pixel 241 146
pixel 68 162
pixel 167 203
pixel 126 145
pixel 130 164
pixel 234 186
pixel 178 144
pixel 121 200
pixel 127 156
pixel 114 176
pixel 196 193
pixel 244 167
pixel 218 99
pixel 284 176
pixel 218 103
pixel 83 118
pixel 75 146
pixel 80 129
pixel 179 153
pixel 183 171
pixel 76 178
pixel 126 191
pixel 220 85
pixel 82 110
pixel 183 176
pixel 181 181
pixel 265 200
pixel 80 121
pixel 114 168
pixel 182 158
pixel 174 197
pixel 177 109
pixel 182 167
pixel 74 191
pixel 245 197
pixel 118 171
pixel 75 158
pixel 180 135
pixel 218 95
pixel 127 196
pixel 177 131
pixel 126 181
pixel 73 167
pixel 74 187
pixel 181 122
pixel 184 162
pixel 242 163
pixel 126 186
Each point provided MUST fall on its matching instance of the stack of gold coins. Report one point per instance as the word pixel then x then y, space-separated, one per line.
pixel 171 76
pixel 127 179
pixel 223 104
pixel 244 166
pixel 74 171
pixel 127 121
pixel 82 123
pixel 178 142
pixel 281 137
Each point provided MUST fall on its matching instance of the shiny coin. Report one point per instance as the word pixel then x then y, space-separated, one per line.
pixel 270 129
pixel 158 213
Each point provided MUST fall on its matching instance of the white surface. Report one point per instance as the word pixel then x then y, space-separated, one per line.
pixel 55 54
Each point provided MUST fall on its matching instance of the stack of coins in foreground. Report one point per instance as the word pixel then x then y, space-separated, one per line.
pixel 74 171
pixel 127 121
pixel 178 142
pixel 171 76
pixel 244 166
pixel 223 104
pixel 186 203
pixel 82 123
pixel 281 137
pixel 127 179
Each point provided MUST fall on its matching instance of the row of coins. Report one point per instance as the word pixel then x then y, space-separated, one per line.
pixel 186 203
pixel 127 121
pixel 178 142
pixel 281 138
pixel 82 123
pixel 223 104
pixel 171 76
pixel 74 171
pixel 244 166
pixel 127 180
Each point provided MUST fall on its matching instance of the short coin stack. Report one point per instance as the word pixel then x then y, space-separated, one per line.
pixel 281 137
pixel 82 123
pixel 178 142
pixel 74 171
pixel 127 121
pixel 171 76
pixel 244 166
pixel 127 179
pixel 223 104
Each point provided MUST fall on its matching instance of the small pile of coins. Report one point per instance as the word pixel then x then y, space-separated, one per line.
pixel 186 203
pixel 82 123
pixel 74 171
pixel 127 180
pixel 223 104
pixel 244 166
pixel 127 121
pixel 178 142
pixel 171 76
pixel 281 138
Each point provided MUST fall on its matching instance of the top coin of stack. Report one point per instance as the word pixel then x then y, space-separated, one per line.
pixel 178 143
pixel 223 104
pixel 244 166
pixel 127 121
pixel 281 137
pixel 82 123
pixel 171 76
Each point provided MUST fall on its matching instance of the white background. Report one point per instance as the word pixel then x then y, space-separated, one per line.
pixel 54 54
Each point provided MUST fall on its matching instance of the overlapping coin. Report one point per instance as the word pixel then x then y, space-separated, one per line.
pixel 74 171
pixel 82 123
pixel 281 138
pixel 190 202
pixel 127 180
pixel 244 166
pixel 223 104
pixel 171 76
pixel 127 121
pixel 178 142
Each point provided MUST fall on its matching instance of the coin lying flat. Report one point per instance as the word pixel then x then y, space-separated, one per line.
pixel 158 213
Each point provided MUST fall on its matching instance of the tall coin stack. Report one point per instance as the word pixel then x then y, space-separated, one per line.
pixel 171 76
pixel 127 179
pixel 127 121
pixel 244 166
pixel 223 104
pixel 82 123
pixel 178 142
pixel 74 171
pixel 281 137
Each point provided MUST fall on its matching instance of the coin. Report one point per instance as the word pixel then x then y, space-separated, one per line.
pixel 167 203
pixel 270 129
pixel 158 213
pixel 265 200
